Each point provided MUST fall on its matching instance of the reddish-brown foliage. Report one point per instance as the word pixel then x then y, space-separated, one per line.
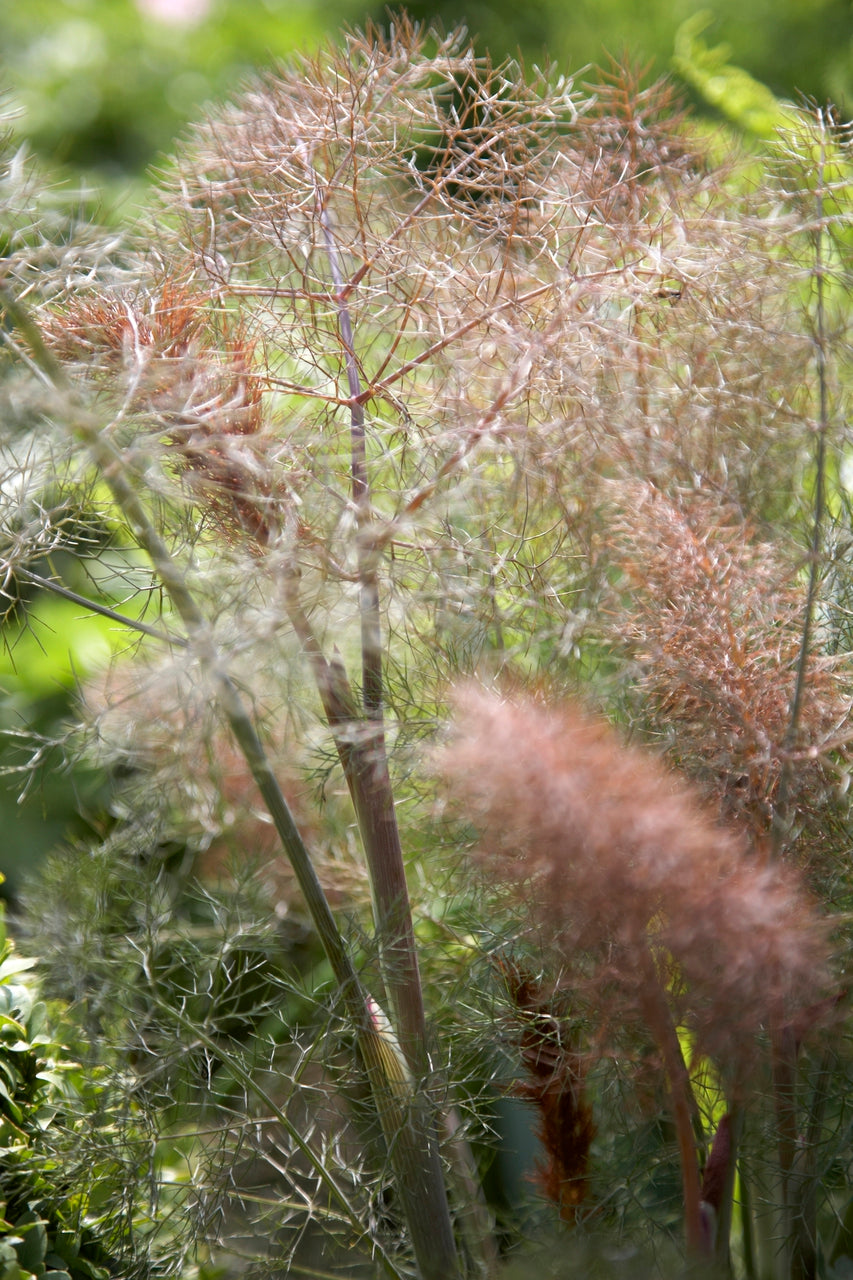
pixel 714 618
pixel 622 867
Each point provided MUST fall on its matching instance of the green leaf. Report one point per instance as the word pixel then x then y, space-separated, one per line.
pixel 7 1023
pixel 11 1135
pixel 9 1266
pixel 53 1261
pixel 84 1266
pixel 12 1107
pixel 38 1021
pixel 31 1252
pixel 16 964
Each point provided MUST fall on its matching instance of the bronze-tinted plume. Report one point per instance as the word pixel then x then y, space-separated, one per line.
pixel 714 622
pixel 622 865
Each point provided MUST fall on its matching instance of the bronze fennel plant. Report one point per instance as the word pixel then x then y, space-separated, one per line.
pixel 431 371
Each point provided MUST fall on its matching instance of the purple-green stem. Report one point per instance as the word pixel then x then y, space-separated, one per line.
pixel 360 739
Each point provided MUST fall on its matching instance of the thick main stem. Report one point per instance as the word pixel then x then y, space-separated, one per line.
pixel 363 752
pixel 367 773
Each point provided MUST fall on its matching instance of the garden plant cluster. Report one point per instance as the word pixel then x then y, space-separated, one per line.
pixel 454 465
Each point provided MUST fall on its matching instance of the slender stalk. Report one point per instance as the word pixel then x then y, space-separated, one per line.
pixel 784 1064
pixel 781 816
pixel 367 772
pixel 371 627
pixel 726 1212
pixel 785 1103
pixel 406 1117
pixel 369 785
pixel 746 1223
pixel 804 1179
pixel 94 606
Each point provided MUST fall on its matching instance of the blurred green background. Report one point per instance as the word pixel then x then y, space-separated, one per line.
pixel 104 86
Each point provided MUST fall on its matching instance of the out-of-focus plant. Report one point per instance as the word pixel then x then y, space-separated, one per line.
pixel 48 1227
pixel 105 87
pixel 789 46
pixel 425 371
pixel 44 654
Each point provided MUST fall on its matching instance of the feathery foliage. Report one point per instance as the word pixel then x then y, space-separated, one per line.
pixel 422 372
